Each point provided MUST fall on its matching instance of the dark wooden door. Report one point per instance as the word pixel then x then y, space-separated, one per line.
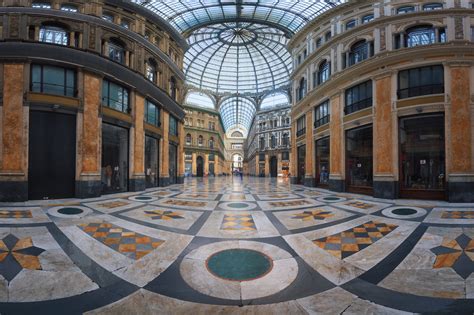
pixel 52 155
pixel 199 166
pixel 273 166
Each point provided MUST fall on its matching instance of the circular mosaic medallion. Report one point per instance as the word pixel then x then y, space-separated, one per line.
pixel 237 205
pixel 239 264
pixel 142 198
pixel 403 212
pixel 70 211
pixel 331 199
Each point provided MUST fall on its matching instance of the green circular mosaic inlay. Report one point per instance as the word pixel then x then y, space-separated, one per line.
pixel 239 264
pixel 404 211
pixel 237 205
pixel 70 211
pixel 331 198
pixel 142 198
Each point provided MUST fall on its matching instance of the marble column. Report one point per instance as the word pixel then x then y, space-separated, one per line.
pixel 88 182
pixel 267 165
pixel 309 158
pixel 385 140
pixel 459 131
pixel 137 162
pixel 293 153
pixel 194 165
pixel 164 150
pixel 336 145
pixel 13 135
pixel 217 169
pixel 206 164
pixel 181 163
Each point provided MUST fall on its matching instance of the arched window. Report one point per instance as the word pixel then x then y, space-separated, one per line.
pixel 273 141
pixel 211 142
pixel 69 8
pixel 301 92
pixel 150 69
pixel 350 24
pixel 189 139
pixel 406 9
pixel 54 35
pixel 116 50
pixel 237 134
pixel 359 52
pixel 423 35
pixel 367 18
pixel 173 88
pixel 200 140
pixel 327 37
pixel 432 6
pixel 324 71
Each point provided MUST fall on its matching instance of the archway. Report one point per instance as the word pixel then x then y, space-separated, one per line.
pixel 273 166
pixel 200 166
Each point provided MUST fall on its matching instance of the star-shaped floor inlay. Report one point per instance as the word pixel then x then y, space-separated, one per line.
pixel 313 215
pixel 163 215
pixel 457 254
pixel 18 254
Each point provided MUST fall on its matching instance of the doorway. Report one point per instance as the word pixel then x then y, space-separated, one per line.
pixel 301 164
pixel 199 166
pixel 114 159
pixel 359 160
pixel 273 166
pixel 52 155
pixel 173 163
pixel 151 161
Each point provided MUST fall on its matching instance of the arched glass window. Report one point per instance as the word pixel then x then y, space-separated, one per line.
pixel 301 92
pixel 237 134
pixel 116 51
pixel 69 8
pixel 274 100
pixel 199 99
pixel 367 18
pixel 150 69
pixel 432 6
pixel 406 9
pixel 41 5
pixel 54 35
pixel 200 140
pixel 211 143
pixel 423 35
pixel 273 141
pixel 189 139
pixel 359 52
pixel 350 24
pixel 173 88
pixel 324 71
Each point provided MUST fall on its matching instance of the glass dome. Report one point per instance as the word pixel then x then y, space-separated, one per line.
pixel 237 57
pixel 237 111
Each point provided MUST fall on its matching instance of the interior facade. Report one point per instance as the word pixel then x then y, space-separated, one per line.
pixel 237 156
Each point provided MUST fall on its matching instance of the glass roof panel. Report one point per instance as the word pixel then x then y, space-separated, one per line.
pixel 274 100
pixel 199 99
pixel 237 111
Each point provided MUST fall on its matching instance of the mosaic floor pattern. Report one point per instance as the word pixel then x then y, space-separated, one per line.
pixel 226 245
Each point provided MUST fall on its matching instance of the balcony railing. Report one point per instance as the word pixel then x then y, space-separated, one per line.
pixel 300 132
pixel 354 107
pixel 420 90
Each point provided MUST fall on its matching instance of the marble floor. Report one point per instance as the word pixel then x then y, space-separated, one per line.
pixel 226 245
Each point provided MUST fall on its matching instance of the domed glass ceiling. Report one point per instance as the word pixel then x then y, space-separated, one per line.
pixel 238 47
pixel 237 57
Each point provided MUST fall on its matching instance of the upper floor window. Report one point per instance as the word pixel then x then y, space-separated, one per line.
pixel 53 80
pixel 350 24
pixel 406 9
pixel 211 157
pixel 115 96
pixel 301 91
pixel 321 114
pixel 108 17
pixel 125 24
pixel 421 81
pixel 261 157
pixel 367 18
pixel 301 126
pixel 327 36
pixel 432 6
pixel 358 97
pixel 211 142
pixel 285 156
pixel 69 8
pixel 41 5
pixel 54 35
pixel 152 113
pixel 173 126
pixel 262 143
pixel 189 139
pixel 359 52
pixel 285 139
pixel 319 42
pixel 424 35
pixel 150 69
pixel 200 140
pixel 273 141
pixel 173 88
pixel 324 71
pixel 116 51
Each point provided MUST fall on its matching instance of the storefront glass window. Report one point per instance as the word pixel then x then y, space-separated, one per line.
pixel 359 157
pixel 322 161
pixel 114 171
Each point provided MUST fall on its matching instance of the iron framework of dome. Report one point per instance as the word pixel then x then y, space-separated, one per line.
pixel 238 47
